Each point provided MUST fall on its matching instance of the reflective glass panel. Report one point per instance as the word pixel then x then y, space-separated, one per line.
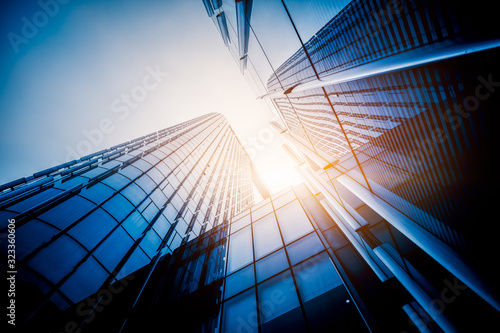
pixel 240 313
pixel 266 236
pixel 93 228
pixel 239 281
pixel 277 296
pixel 304 248
pixel 240 249
pixel 316 276
pixel 264 210
pixel 270 265
pixel 293 221
pixel 79 286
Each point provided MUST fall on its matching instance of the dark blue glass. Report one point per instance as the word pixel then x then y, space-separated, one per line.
pixel 239 281
pixel 118 207
pixel 93 228
pixel 270 265
pixel 113 249
pixel 240 313
pixel 67 211
pixel 304 248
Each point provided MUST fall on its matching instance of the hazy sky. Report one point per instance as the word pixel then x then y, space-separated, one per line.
pixel 85 75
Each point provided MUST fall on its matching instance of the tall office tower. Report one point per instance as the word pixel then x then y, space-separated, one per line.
pixel 389 109
pixel 82 225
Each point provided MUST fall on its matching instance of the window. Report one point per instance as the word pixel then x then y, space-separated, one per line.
pixel 277 296
pixel 136 261
pixel 26 240
pixel 239 281
pixel 335 238
pixel 304 248
pixel 113 249
pixel 284 199
pixel 161 226
pixel 271 265
pixel 67 211
pixel 79 286
pixel 240 313
pixel 266 236
pixel 57 260
pixel 242 222
pixel 266 209
pixel 130 172
pixel 150 243
pixel 135 224
pixel 240 249
pixel 316 276
pixel 142 165
pixel 38 198
pixel 93 228
pixel 97 193
pixel 134 193
pixel 146 183
pixel 293 221
pixel 118 207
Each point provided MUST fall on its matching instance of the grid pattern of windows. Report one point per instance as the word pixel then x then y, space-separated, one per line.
pixel 91 221
pixel 407 134
pixel 272 266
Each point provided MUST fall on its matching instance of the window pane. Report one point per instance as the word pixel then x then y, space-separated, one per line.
pixel 93 228
pixel 97 193
pixel 67 212
pixel 284 199
pixel 118 207
pixel 293 221
pixel 136 261
pixel 270 265
pixel 335 238
pixel 79 285
pixel 146 183
pixel 242 222
pixel 216 263
pixel 34 200
pixel 240 249
pixel 131 172
pixel 135 224
pixel 277 296
pixel 151 243
pixel 266 236
pixel 134 193
pixel 266 209
pixel 239 281
pixel 304 248
pixel 31 235
pixel 316 276
pixel 113 249
pixel 58 259
pixel 116 181
pixel 240 314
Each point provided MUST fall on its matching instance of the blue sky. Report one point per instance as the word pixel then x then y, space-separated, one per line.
pixel 124 68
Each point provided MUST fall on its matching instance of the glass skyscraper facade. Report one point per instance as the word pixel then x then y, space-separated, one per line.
pixel 84 224
pixel 389 110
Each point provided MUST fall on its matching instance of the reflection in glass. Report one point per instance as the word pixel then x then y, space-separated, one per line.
pixel 239 281
pixel 240 313
pixel 293 221
pixel 240 249
pixel 270 265
pixel 266 236
pixel 277 296
pixel 316 276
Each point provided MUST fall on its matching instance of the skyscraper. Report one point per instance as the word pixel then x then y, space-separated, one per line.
pixel 389 109
pixel 86 223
